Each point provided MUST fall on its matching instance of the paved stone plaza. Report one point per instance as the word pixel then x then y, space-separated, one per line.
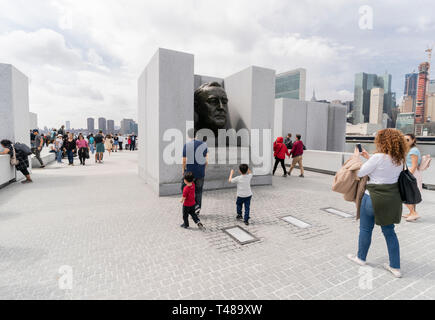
pixel 122 242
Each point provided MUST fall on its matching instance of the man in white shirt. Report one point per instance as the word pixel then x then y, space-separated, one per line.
pixel 244 192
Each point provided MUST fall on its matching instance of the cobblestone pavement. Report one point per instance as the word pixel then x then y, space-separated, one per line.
pixel 122 242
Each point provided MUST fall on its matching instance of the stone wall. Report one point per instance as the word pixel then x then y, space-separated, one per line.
pixel 322 126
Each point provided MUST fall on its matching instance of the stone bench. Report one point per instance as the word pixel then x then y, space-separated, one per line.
pixel 46 157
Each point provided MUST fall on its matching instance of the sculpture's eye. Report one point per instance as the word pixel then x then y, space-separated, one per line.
pixel 213 100
pixel 224 101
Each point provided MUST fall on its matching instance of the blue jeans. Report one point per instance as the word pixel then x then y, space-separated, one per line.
pixel 59 156
pixel 70 156
pixel 91 146
pixel 365 236
pixel 247 203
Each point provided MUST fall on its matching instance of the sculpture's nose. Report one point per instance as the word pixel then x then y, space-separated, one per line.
pixel 221 105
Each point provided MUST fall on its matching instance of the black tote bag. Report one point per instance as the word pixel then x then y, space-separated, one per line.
pixel 409 191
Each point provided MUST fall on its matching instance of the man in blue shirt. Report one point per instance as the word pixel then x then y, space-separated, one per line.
pixel 195 160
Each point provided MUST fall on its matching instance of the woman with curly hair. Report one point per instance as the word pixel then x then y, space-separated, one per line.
pixel 382 204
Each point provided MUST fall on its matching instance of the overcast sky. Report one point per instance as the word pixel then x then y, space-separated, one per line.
pixel 83 57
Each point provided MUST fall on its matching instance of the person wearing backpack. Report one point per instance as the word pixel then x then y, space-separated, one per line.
pixel 413 161
pixel 280 151
pixel 22 159
pixel 288 141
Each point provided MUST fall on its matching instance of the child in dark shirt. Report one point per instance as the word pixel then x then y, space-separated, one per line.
pixel 189 202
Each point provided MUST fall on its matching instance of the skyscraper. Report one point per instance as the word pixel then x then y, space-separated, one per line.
pixel 127 126
pixel 68 125
pixel 431 88
pixel 421 93
pixel 291 84
pixel 91 125
pixel 364 83
pixel 376 105
pixel 411 84
pixel 102 124
pixel 110 126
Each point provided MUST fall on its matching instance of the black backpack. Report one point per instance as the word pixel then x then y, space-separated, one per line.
pixel 23 148
pixel 409 191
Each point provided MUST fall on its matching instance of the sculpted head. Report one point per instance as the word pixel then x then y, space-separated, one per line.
pixel 211 107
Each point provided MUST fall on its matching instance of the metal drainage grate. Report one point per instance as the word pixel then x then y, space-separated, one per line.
pixel 296 222
pixel 338 212
pixel 240 235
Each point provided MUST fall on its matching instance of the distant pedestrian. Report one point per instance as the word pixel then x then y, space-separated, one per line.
pixel 133 143
pixel 297 153
pixel 61 131
pixel 58 147
pixel 115 143
pixel 244 193
pixel 413 161
pixel 38 144
pixel 382 203
pixel 108 143
pixel 127 147
pixel 70 147
pixel 121 142
pixel 288 141
pixel 20 156
pixel 189 202
pixel 91 141
pixel 83 149
pixel 99 145
pixel 280 151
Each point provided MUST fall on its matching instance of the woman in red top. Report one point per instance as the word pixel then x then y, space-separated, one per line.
pixel 280 151
pixel 297 152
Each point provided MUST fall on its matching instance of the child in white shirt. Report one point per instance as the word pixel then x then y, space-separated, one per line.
pixel 244 193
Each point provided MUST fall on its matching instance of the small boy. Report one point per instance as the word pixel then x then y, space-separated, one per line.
pixel 244 193
pixel 189 202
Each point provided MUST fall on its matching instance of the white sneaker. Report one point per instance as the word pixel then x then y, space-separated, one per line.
pixel 395 272
pixel 355 259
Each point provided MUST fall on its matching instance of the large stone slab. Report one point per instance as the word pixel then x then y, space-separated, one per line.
pixel 337 128
pixel 14 105
pixel 322 126
pixel 14 108
pixel 166 112
pixel 165 102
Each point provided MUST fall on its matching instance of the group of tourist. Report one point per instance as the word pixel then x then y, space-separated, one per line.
pixel 287 147
pixel 65 145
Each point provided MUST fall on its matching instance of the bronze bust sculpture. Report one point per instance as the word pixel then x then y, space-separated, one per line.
pixel 211 107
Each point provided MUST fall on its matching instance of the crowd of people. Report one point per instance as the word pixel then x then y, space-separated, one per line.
pixel 66 145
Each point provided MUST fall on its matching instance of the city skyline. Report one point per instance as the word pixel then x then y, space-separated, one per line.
pixel 79 60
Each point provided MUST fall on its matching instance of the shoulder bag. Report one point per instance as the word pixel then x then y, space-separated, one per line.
pixel 409 191
pixel 14 160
